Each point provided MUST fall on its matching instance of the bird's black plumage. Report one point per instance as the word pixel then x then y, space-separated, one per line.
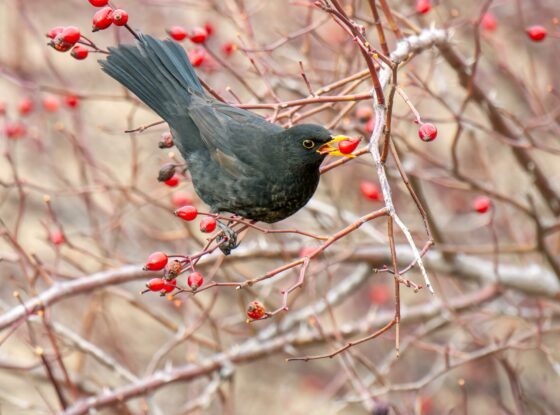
pixel 239 162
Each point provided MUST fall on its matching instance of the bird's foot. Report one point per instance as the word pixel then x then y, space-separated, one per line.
pixel 228 240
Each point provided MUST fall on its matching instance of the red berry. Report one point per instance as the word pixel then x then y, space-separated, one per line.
pixel 174 181
pixel 489 22
pixel 255 310
pixel 197 57
pixel 536 33
pixel 54 31
pixel 208 225
pixel 120 17
pixel 427 132
pixel 102 19
pixel 423 6
pixel 51 104
pixel 198 35
pixel 364 114
pixel 156 284
pixel 14 130
pixel 348 146
pixel 180 199
pixel 370 190
pixel 482 204
pixel 25 106
pixel 99 3
pixel 70 34
pixel 195 280
pixel 71 101
pixel 79 52
pixel 379 294
pixel 369 126
pixel 187 213
pixel 56 237
pixel 156 261
pixel 59 44
pixel 228 48
pixel 209 29
pixel 177 33
pixel 169 285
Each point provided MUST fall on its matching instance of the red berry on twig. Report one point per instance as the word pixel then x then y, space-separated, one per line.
pixel 198 35
pixel 56 237
pixel 169 285
pixel 423 6
pixel 197 57
pixel 120 17
pixel 70 34
pixel 489 22
pixel 156 284
pixel 25 106
pixel 427 132
pixel 14 130
pixel 208 225
pixel 195 280
pixel 187 213
pixel 255 310
pixel 482 204
pixel 209 27
pixel 228 48
pixel 71 100
pixel 156 261
pixel 79 52
pixel 177 33
pixel 102 19
pixel 536 33
pixel 370 190
pixel 180 199
pixel 54 31
pixel 173 181
pixel 99 3
pixel 51 104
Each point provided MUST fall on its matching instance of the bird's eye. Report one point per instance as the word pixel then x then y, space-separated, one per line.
pixel 308 144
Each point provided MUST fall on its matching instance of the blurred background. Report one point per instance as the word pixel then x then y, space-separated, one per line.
pixel 80 204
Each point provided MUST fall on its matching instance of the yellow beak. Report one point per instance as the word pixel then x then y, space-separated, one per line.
pixel 327 148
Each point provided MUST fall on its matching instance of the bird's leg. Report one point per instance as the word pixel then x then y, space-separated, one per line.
pixel 227 242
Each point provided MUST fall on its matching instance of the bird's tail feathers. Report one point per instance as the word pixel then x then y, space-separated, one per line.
pixel 158 72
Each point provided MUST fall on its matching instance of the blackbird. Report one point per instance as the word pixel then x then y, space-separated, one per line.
pixel 239 162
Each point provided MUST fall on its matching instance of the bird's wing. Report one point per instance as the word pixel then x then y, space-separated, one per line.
pixel 235 138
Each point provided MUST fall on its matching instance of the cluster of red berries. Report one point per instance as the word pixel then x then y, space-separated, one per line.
pixel 158 261
pixel 65 38
pixel 189 213
pixel 17 129
pixel 107 16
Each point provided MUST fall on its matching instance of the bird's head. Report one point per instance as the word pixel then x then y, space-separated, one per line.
pixel 309 144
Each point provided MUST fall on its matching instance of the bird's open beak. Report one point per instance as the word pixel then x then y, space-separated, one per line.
pixel 327 148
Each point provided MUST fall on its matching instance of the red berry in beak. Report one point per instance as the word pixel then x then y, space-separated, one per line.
pixel 195 280
pixel 348 146
pixel 427 132
pixel 187 213
pixel 177 33
pixel 208 225
pixel 102 19
pixel 156 261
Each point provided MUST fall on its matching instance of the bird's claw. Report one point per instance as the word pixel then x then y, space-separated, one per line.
pixel 228 241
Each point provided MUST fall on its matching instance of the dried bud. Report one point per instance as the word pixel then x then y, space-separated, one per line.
pixel 166 140
pixel 173 269
pixel 166 172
